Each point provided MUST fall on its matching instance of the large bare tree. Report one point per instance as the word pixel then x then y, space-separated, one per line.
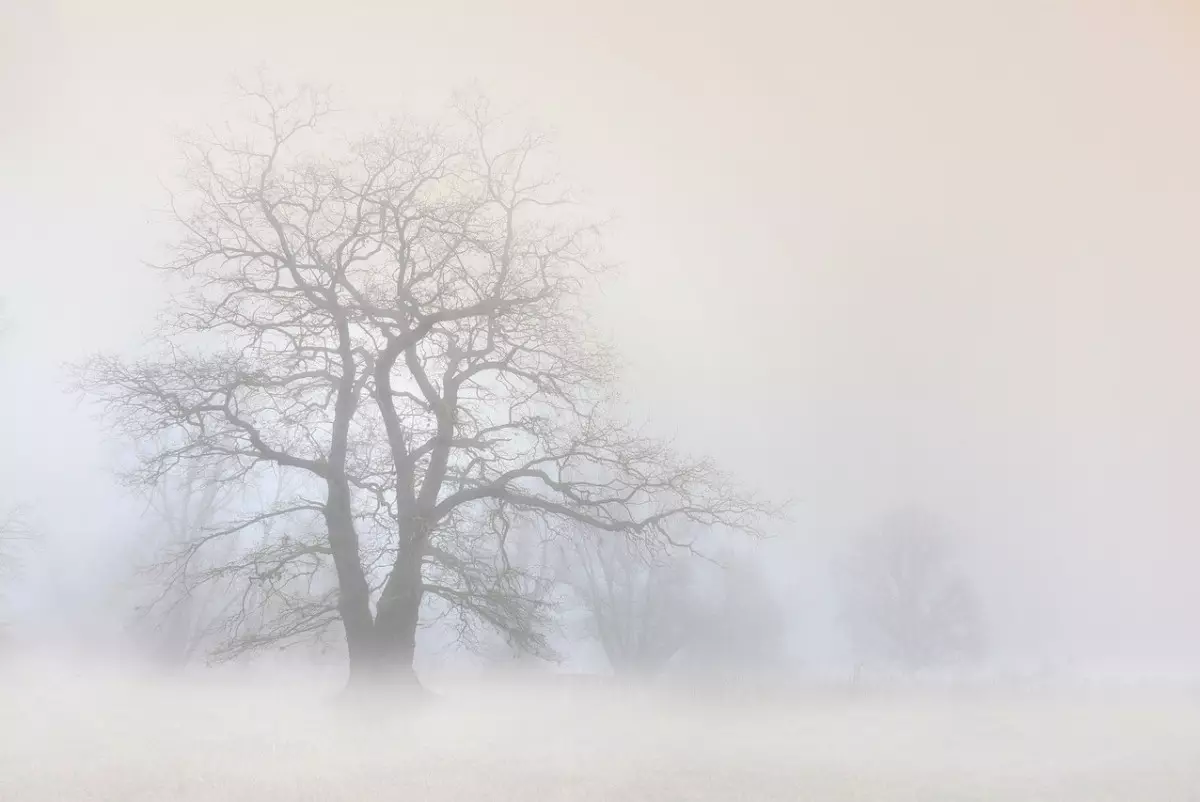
pixel 398 319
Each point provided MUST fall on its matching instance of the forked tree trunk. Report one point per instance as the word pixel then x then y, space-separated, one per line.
pixel 386 664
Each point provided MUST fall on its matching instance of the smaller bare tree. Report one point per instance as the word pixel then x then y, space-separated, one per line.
pixel 179 615
pixel 905 601
pixel 13 530
pixel 743 624
pixel 533 591
pixel 15 534
pixel 638 599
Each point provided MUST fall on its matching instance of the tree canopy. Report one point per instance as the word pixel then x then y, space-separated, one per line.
pixel 399 320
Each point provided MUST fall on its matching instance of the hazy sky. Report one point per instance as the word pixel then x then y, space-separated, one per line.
pixel 941 251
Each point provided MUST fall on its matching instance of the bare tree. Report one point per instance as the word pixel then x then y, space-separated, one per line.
pixel 742 625
pixel 13 528
pixel 650 608
pixel 15 534
pixel 183 608
pixel 638 601
pixel 400 320
pixel 527 554
pixel 905 601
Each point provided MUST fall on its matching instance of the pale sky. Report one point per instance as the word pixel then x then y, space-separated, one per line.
pixel 941 251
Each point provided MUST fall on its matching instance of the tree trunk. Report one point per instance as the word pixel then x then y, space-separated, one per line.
pixel 387 664
pixel 400 607
pixel 354 594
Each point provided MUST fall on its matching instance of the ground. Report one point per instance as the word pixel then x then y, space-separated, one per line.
pixel 70 736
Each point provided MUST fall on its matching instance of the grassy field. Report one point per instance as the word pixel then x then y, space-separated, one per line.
pixel 63 737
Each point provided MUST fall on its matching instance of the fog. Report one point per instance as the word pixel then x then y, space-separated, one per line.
pixel 933 256
pixel 904 748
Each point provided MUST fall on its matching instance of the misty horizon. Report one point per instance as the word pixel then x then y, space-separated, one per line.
pixel 873 293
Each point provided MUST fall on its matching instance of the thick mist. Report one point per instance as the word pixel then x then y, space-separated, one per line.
pixel 920 276
pixel 508 741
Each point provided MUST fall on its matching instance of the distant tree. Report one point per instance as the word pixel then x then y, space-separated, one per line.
pixel 741 625
pixel 15 534
pixel 399 319
pixel 651 609
pixel 905 601
pixel 638 601
pixel 526 585
pixel 181 609
pixel 12 530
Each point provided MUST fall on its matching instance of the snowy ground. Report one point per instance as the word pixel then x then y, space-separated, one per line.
pixel 64 738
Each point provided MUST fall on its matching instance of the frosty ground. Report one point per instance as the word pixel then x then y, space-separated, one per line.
pixel 77 736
